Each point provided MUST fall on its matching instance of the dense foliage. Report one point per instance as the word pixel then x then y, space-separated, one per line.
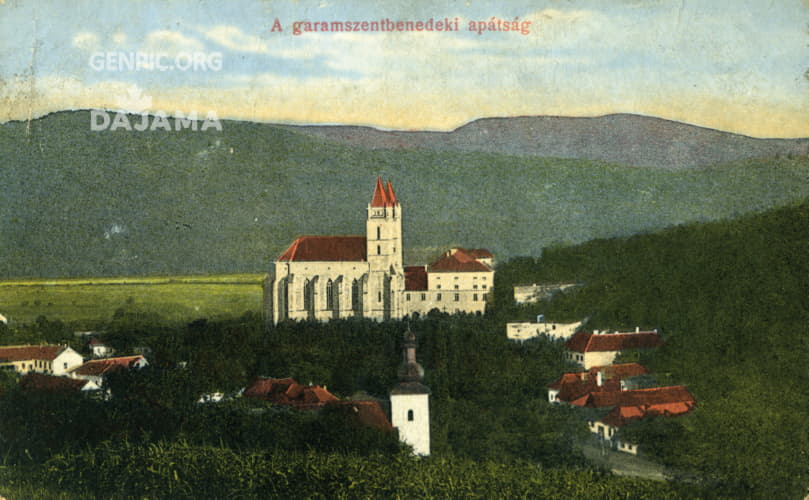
pixel 181 471
pixel 731 301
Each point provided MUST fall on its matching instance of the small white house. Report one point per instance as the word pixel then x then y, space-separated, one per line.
pixel 599 348
pixel 100 349
pixel 526 330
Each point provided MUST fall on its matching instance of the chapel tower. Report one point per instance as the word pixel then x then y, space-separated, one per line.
pixel 410 401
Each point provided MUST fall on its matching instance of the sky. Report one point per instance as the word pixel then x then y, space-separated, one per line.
pixel 738 65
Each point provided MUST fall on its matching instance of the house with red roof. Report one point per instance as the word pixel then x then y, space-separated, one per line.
pixel 326 277
pixel 573 386
pixel 288 392
pixel 633 405
pixel 96 370
pixel 598 348
pixel 51 359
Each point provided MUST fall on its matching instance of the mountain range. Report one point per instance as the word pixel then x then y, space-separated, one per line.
pixel 79 202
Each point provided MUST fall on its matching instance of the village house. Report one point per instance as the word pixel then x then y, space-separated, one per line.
pixel 521 331
pixel 288 392
pixel 99 348
pixel 96 370
pixel 50 359
pixel 326 277
pixel 572 386
pixel 40 382
pixel 598 348
pixel 628 406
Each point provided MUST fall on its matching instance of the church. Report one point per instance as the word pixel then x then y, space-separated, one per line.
pixel 326 277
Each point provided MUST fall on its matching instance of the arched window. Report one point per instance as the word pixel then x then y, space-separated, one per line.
pixel 409 415
pixel 378 232
pixel 308 298
pixel 356 305
pixel 379 249
pixel 330 296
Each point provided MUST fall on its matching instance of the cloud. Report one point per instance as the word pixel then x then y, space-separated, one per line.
pixel 85 40
pixel 168 41
pixel 234 38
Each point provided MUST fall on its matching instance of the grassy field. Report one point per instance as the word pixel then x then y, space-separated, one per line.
pixel 89 300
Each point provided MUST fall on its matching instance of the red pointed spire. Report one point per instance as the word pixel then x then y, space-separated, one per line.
pixel 380 198
pixel 391 194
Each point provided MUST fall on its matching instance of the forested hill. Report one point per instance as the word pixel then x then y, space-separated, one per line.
pixel 78 202
pixel 731 300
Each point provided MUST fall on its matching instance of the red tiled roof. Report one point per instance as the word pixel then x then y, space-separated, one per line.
pixel 573 386
pixel 367 413
pixel 620 371
pixel 51 383
pixel 326 249
pixel 415 278
pixel 107 365
pixel 288 392
pixel 622 415
pixel 24 352
pixel 583 341
pixel 457 260
pixel 637 397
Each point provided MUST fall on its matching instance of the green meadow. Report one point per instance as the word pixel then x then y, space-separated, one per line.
pixel 86 301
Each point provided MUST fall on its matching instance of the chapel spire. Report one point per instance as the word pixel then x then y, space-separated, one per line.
pixel 391 194
pixel 380 198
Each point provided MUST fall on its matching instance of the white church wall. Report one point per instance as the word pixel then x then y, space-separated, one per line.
pixel 410 414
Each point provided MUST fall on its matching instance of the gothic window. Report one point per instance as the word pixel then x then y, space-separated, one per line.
pixel 307 295
pixel 423 296
pixel 330 298
pixel 355 297
pixel 410 416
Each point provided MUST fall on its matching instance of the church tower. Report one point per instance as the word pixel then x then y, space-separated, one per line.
pixel 384 251
pixel 410 401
